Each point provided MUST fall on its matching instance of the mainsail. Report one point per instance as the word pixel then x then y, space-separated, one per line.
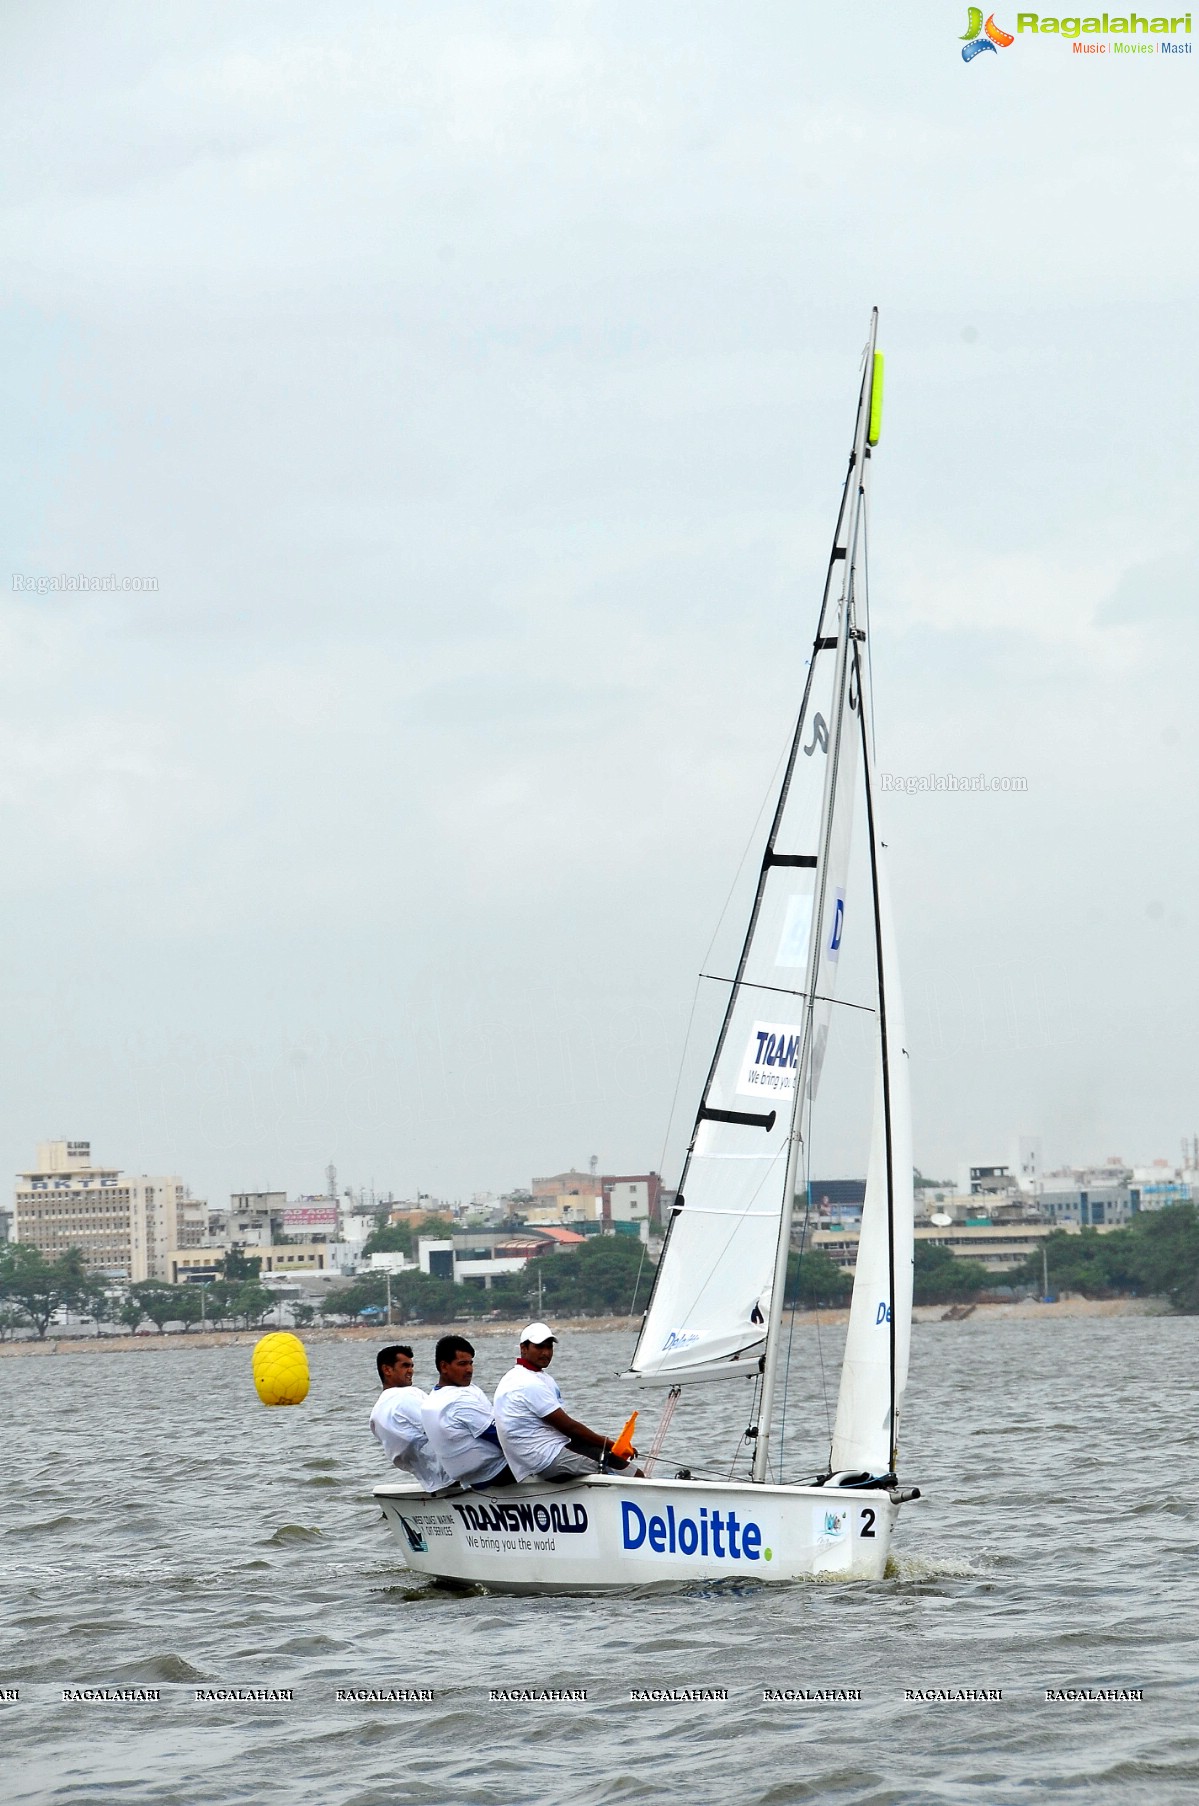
pixel 714 1292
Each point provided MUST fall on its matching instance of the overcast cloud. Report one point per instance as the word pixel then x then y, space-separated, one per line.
pixel 476 383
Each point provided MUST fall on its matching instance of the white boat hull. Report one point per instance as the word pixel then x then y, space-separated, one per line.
pixel 606 1534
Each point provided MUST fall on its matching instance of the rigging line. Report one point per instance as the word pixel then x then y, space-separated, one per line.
pixel 836 555
pixel 668 1409
pixel 795 1300
pixel 636 1286
pixel 718 1259
pixel 886 1071
pixel 679 1078
pixel 745 1439
pixel 751 984
pixel 662 1167
pixel 828 1422
pixel 762 807
pixel 819 1341
pixel 803 1237
pixel 866 602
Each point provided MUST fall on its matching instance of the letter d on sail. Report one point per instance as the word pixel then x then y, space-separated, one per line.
pixel 884 1312
pixel 834 939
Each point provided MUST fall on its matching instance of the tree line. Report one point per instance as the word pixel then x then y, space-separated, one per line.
pixel 1157 1255
pixel 34 1288
pixel 608 1275
pixel 815 1281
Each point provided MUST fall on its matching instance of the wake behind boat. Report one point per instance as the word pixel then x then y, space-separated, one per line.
pixel 716 1309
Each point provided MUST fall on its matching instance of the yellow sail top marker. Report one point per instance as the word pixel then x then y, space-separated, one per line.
pixel 876 401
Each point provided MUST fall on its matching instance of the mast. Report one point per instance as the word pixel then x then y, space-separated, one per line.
pixel 845 548
pixel 874 1368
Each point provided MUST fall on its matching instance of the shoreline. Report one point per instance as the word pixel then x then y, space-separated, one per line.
pixel 181 1340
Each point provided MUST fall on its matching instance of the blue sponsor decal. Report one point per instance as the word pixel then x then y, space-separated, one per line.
pixel 681 1338
pixel 776 1050
pixel 883 1314
pixel 718 1533
pixel 834 945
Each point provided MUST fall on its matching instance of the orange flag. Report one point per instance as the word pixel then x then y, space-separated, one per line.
pixel 622 1448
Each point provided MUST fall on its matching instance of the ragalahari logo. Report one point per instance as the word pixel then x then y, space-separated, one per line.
pixel 973 39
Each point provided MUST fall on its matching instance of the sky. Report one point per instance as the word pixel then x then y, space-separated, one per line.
pixel 475 385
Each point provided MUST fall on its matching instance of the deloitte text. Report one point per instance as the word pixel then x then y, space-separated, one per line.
pixel 720 1533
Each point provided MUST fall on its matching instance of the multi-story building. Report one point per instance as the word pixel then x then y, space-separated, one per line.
pixel 487 1254
pixel 253 1219
pixel 124 1225
pixel 622 1203
pixel 630 1203
pixel 566 1198
pixel 999 1246
pixel 293 1257
pixel 1091 1206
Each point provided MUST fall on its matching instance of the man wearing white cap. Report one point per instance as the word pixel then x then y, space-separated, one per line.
pixel 539 1439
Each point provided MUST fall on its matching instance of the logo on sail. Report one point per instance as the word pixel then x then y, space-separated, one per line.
pixel 771 1056
pixel 978 37
pixel 680 1338
pixel 838 928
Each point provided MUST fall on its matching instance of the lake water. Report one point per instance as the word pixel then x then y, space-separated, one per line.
pixel 161 1529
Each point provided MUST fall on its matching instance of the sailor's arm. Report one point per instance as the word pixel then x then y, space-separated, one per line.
pixel 578 1432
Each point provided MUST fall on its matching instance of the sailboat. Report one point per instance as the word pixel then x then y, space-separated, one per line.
pixel 716 1311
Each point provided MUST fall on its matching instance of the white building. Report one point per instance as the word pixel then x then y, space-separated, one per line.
pixel 391 1262
pixel 1029 1164
pixel 460 1261
pixel 124 1225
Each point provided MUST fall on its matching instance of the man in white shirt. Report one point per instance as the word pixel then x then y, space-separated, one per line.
pixel 459 1422
pixel 396 1420
pixel 540 1440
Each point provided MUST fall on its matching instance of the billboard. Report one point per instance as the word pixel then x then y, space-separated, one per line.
pixel 297 1217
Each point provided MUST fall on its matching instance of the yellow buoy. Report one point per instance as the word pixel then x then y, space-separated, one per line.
pixel 280 1369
